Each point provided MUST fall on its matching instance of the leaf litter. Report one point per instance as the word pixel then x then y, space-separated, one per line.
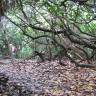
pixel 49 78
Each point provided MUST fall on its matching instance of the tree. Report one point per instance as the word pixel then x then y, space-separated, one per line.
pixel 65 25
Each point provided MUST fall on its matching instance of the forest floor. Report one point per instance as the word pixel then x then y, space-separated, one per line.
pixel 47 79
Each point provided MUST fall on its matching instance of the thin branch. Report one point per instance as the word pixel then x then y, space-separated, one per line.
pixel 66 32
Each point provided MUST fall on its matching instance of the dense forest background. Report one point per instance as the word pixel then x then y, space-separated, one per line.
pixel 49 29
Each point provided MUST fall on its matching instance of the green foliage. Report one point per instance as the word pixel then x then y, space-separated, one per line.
pixel 25 52
pixel 48 14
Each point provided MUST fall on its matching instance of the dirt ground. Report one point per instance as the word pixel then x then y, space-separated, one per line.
pixel 49 78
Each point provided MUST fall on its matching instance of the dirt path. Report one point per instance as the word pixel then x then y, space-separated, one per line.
pixel 50 78
pixel 5 61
